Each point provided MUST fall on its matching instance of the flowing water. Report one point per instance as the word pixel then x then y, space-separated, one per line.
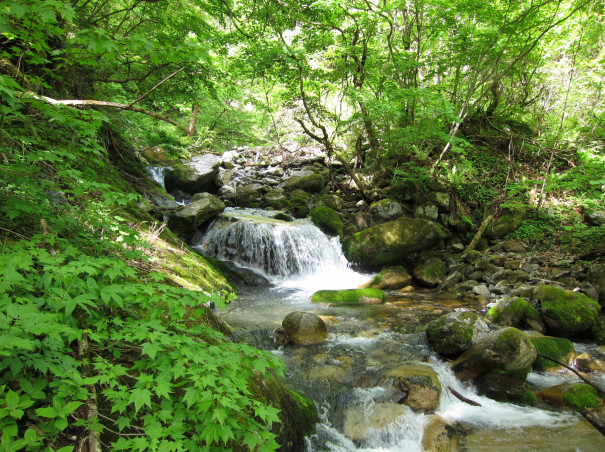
pixel 158 173
pixel 298 259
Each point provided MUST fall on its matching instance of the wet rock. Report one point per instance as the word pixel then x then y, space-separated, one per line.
pixel 195 175
pixel 363 422
pixel 451 280
pixel 567 313
pixel 440 435
pixel 453 333
pixel 430 272
pixel 505 388
pixel 557 348
pixel 391 278
pixel 327 220
pixel 586 363
pixel 427 211
pixel 347 296
pixel 305 328
pixel 570 396
pixel 190 217
pixel 418 383
pixel 385 210
pixel 249 194
pixel 275 200
pixel 508 350
pixel 393 241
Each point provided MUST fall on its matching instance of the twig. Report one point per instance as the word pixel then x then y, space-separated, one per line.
pixel 462 398
pixel 156 86
pixel 584 379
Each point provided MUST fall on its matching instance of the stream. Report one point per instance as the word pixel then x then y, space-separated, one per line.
pixel 297 259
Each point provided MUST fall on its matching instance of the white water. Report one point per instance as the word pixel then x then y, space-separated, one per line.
pixel 158 173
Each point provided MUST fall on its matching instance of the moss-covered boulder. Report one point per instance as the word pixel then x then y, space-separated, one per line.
pixel 332 201
pixel 566 313
pixel 598 332
pixel 505 388
pixel 596 276
pixel 453 333
pixel 557 348
pixel 418 383
pixel 393 241
pixel 575 397
pixel 275 200
pixel 195 175
pixel 305 328
pixel 298 415
pixel 391 278
pixel 430 272
pixel 347 296
pixel 190 217
pixel 327 220
pixel 507 350
pixel 304 180
pixel 506 223
pixel 509 311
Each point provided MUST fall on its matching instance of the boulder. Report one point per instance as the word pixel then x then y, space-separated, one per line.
pixel 246 195
pixel 391 278
pixel 557 348
pixel 362 423
pixel 385 210
pixel 565 313
pixel 393 241
pixel 190 217
pixel 442 200
pixel 594 217
pixel 430 272
pixel 505 388
pixel 454 333
pixel 418 383
pixel 509 311
pixel 305 328
pixel 275 200
pixel 598 332
pixel 304 180
pixel 159 156
pixel 347 296
pixel 507 350
pixel 506 223
pixel 327 220
pixel 596 276
pixel 195 175
pixel 427 211
pixel 571 396
pixel 332 201
pixel 440 435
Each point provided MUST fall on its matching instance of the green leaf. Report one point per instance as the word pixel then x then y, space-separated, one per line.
pixel 140 397
pixel 49 412
pixel 61 423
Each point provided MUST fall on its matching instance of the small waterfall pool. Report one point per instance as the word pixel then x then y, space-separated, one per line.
pixel 297 259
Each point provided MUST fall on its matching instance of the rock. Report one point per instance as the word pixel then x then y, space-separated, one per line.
pixel 567 313
pixel 393 241
pixel 451 280
pixel 514 246
pixel 508 350
pixel 275 200
pixel 427 211
pixel 157 155
pixel 327 220
pixel 347 296
pixel 505 388
pixel 594 217
pixel 440 435
pixel 224 176
pixel 575 397
pixel 332 201
pixel 430 272
pixel 472 256
pixel 304 180
pixel 442 200
pixel 598 332
pixel 482 291
pixel 385 210
pixel 190 217
pixel 507 223
pixel 596 276
pixel 369 300
pixel 246 195
pixel 391 278
pixel 305 328
pixel 586 363
pixel 509 312
pixel 418 382
pixel 360 220
pixel 557 348
pixel 362 422
pixel 194 176
pixel 453 333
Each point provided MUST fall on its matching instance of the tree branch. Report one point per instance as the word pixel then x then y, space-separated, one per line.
pixel 155 87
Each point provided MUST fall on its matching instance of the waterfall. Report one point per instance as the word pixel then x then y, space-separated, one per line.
pixel 158 173
pixel 286 252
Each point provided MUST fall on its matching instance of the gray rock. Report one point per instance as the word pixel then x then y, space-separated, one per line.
pixel 195 175
pixel 430 272
pixel 190 217
pixel 454 333
pixel 482 290
pixel 594 217
pixel 332 201
pixel 385 210
pixel 442 200
pixel 304 180
pixel 427 211
pixel 596 276
pixel 305 328
pixel 249 194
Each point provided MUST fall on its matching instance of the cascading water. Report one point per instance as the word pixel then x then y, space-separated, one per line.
pixel 158 173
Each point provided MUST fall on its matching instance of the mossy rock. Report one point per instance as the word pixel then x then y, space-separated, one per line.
pixel 312 183
pixel 598 333
pixel 418 382
pixel 332 201
pixel 393 241
pixel 298 415
pixel 509 312
pixel 430 272
pixel 507 388
pixel 575 397
pixel 347 296
pixel 557 348
pixel 327 220
pixel 391 278
pixel 454 333
pixel 440 435
pixel 506 223
pixel 567 313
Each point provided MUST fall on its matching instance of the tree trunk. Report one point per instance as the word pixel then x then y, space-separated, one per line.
pixel 195 110
pixel 471 246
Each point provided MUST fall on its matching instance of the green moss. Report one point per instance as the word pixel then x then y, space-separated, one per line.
pixel 350 296
pixel 554 347
pixel 533 314
pixel 327 220
pixel 528 397
pixel 598 333
pixel 495 313
pixel 581 397
pixel 567 313
pixel 509 311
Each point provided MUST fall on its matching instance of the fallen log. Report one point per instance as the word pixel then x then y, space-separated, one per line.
pixel 586 380
pixel 596 421
pixel 462 398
